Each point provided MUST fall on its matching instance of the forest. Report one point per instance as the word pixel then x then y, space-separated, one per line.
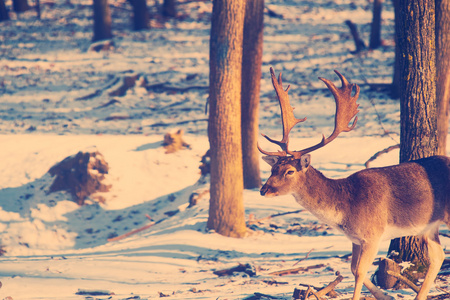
pixel 129 130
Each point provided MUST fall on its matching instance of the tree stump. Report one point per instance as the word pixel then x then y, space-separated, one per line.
pixel 385 280
pixel 81 175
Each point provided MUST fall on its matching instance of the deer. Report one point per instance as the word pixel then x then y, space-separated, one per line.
pixel 371 205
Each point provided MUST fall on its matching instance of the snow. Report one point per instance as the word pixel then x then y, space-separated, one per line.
pixel 56 249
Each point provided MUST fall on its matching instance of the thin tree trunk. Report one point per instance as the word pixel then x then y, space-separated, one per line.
pixel 418 136
pixel 38 9
pixel 226 209
pixel 4 16
pixel 20 6
pixel 102 20
pixel 442 71
pixel 169 9
pixel 395 88
pixel 141 17
pixel 251 82
pixel 375 33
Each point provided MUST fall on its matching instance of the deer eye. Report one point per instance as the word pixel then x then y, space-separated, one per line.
pixel 290 172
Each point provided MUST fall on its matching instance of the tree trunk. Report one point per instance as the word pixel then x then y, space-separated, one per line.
pixel 226 209
pixel 375 33
pixel 20 6
pixel 140 14
pixel 169 9
pixel 442 71
pixel 38 9
pixel 251 82
pixel 4 16
pixel 102 20
pixel 395 88
pixel 418 136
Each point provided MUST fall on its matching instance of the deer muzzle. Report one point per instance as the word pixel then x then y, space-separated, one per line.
pixel 267 190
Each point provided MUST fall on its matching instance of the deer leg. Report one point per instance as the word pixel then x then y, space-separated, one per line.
pixel 362 258
pixel 436 256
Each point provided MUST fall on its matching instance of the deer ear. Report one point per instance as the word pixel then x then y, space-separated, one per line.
pixel 271 160
pixel 305 161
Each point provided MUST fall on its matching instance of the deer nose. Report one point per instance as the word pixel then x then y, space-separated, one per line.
pixel 264 189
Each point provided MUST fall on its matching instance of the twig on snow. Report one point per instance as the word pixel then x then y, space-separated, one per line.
pixel 330 287
pixel 254 221
pixel 320 291
pixel 120 237
pixel 306 257
pixel 296 270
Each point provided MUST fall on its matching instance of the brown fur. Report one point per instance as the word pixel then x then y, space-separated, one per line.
pixel 411 198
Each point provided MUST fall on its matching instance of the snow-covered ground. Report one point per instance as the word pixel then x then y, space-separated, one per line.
pixel 55 100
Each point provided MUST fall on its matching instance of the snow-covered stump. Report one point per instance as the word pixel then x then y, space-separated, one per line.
pixel 81 175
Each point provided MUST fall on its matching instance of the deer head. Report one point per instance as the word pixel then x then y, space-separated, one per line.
pixel 289 167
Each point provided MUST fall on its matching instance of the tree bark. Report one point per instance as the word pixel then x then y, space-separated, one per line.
pixel 140 14
pixel 102 21
pixel 375 33
pixel 251 82
pixel 442 71
pixel 226 209
pixel 4 16
pixel 418 132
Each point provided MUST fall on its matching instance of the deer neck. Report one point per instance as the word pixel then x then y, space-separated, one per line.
pixel 326 198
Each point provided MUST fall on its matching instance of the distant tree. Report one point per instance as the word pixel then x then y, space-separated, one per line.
pixel 169 9
pixel 442 71
pixel 375 33
pixel 102 20
pixel 20 6
pixel 415 29
pixel 251 82
pixel 4 16
pixel 38 9
pixel 226 209
pixel 395 87
pixel 141 18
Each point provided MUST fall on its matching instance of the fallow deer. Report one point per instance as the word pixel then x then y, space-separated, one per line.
pixel 411 198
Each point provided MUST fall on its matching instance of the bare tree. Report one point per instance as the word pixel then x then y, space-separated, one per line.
pixel 415 31
pixel 102 20
pixel 251 82
pixel 442 71
pixel 395 87
pixel 169 9
pixel 226 209
pixel 141 17
pixel 4 16
pixel 375 33
pixel 20 6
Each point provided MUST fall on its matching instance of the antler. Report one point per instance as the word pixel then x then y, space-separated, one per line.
pixel 287 117
pixel 346 110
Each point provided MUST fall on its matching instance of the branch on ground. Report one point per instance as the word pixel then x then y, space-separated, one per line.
pixel 120 237
pixel 327 290
pixel 252 219
pixel 247 269
pixel 296 270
